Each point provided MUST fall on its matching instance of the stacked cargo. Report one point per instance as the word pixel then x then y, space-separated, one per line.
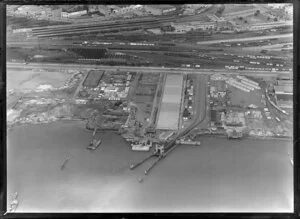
pixel 238 85
pixel 248 82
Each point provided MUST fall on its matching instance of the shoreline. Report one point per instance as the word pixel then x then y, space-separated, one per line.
pixel 105 171
pixel 113 130
pixel 250 137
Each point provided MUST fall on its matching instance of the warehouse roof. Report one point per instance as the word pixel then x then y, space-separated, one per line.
pixel 168 117
pixel 285 82
pixel 283 89
pixel 161 6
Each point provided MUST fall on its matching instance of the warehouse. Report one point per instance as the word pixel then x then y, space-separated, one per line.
pixel 73 14
pixel 283 89
pixel 284 94
pixel 168 117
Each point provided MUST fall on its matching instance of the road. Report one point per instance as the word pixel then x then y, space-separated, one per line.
pixel 145 69
pixel 289 35
pixel 200 98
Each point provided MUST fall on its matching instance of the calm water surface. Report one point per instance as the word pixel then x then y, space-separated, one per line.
pixel 220 175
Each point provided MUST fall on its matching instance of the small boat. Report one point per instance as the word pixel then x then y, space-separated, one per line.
pixel 64 163
pixel 94 144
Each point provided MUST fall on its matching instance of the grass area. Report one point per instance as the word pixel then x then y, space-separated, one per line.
pixel 252 19
pixel 230 8
pixel 93 78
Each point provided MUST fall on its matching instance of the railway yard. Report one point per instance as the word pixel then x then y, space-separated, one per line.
pixel 151 82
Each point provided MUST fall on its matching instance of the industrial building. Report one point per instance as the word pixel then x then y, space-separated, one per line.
pixel 184 27
pixel 284 93
pixel 73 14
pixel 159 9
pixel 168 117
pixel 130 8
pixel 283 89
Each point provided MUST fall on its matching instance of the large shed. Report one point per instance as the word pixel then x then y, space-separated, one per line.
pixel 168 118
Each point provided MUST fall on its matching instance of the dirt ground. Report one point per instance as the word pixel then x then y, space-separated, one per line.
pixel 19 79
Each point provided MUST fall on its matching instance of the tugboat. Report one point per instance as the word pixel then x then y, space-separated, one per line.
pixel 94 144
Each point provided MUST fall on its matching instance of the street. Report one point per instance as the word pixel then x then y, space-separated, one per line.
pixel 145 69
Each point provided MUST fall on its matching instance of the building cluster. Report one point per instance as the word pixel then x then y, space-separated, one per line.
pixel 215 18
pixel 159 9
pixel 131 119
pixel 131 8
pixel 190 9
pixel 243 83
pixel 234 119
pixel 188 100
pixel 116 89
pixel 73 80
pixel 196 25
pixel 217 88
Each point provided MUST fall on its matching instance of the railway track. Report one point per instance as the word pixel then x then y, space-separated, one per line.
pixel 94 27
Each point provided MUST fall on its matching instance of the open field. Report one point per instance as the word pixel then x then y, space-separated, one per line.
pixel 239 97
pixel 235 8
pixel 20 79
pixel 93 78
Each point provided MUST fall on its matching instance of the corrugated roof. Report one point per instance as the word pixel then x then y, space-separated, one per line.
pixel 283 89
pixel 285 82
pixel 163 7
pixel 170 107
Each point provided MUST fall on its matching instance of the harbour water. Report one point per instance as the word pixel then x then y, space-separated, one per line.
pixel 219 176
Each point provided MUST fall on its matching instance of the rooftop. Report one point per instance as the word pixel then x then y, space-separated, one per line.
pixel 161 6
pixel 287 89
pixel 285 82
